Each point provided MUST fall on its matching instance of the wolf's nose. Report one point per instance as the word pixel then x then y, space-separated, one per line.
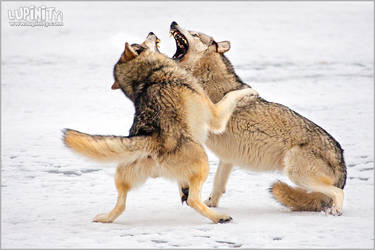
pixel 151 34
pixel 173 24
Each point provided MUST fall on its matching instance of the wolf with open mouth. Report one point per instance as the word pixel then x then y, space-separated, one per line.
pixel 173 116
pixel 264 136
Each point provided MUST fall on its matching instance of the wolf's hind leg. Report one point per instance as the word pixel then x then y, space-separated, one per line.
pixel 127 177
pixel 183 189
pixel 122 190
pixel 221 177
pixel 223 110
pixel 314 174
pixel 337 194
pixel 196 171
pixel 194 201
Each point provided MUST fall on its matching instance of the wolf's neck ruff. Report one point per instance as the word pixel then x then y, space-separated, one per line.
pixel 212 73
pixel 142 74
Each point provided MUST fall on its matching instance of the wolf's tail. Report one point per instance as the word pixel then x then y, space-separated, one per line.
pixel 298 199
pixel 108 148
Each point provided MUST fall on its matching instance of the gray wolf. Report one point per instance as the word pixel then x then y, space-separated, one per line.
pixel 173 116
pixel 264 136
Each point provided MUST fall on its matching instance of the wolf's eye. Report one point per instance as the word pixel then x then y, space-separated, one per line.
pixel 212 42
pixel 138 48
pixel 194 35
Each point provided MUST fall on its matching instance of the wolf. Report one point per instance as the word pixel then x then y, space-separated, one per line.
pixel 263 135
pixel 173 116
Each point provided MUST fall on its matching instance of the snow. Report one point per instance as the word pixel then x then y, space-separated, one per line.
pixel 315 57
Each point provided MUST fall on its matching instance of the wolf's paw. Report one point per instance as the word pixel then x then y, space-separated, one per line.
pixel 224 219
pixel 333 211
pixel 250 96
pixel 211 202
pixel 184 195
pixel 251 92
pixel 103 218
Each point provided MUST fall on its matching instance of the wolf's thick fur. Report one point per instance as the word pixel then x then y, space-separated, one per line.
pixel 265 136
pixel 108 148
pixel 173 116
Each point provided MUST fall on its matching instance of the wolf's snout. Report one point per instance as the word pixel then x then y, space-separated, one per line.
pixel 173 24
pixel 151 33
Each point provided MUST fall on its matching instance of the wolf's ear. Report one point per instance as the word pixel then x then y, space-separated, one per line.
pixel 129 53
pixel 223 46
pixel 115 85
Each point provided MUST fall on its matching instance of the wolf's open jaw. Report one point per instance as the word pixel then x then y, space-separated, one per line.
pixel 182 44
pixel 152 41
pixel 157 41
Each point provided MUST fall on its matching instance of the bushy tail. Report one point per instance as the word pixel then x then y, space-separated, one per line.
pixel 298 199
pixel 108 148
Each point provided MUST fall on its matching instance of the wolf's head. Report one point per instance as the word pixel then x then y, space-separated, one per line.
pixel 201 55
pixel 192 45
pixel 135 62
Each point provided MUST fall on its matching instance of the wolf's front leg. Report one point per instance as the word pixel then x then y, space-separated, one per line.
pixel 221 177
pixel 223 110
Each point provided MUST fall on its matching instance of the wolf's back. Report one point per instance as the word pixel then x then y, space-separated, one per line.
pixel 108 148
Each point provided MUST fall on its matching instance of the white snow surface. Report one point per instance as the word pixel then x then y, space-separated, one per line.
pixel 314 57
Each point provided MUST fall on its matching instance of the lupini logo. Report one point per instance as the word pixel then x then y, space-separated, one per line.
pixel 35 16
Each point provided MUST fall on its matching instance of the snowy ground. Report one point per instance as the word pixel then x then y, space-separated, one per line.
pixel 316 58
